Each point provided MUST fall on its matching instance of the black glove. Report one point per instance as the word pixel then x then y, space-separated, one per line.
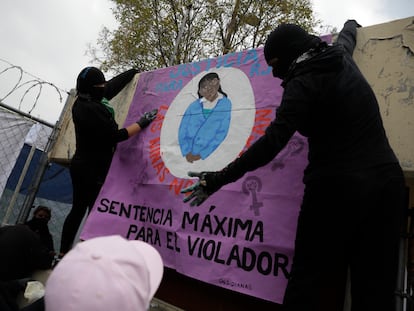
pixel 208 183
pixel 147 118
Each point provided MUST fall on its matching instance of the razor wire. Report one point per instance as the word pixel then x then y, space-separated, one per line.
pixel 26 92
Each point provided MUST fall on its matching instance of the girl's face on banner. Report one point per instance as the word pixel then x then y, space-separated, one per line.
pixel 209 89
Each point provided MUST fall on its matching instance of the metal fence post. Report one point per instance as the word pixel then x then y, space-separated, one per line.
pixel 43 163
pixel 19 184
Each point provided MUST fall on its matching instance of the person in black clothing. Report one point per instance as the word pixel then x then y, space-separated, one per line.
pixel 352 207
pixel 22 253
pixel 97 135
pixel 39 224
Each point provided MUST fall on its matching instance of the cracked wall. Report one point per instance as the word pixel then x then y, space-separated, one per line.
pixel 385 55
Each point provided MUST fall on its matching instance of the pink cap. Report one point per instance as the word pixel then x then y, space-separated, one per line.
pixel 105 273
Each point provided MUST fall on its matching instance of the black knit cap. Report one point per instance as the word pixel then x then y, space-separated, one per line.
pixel 87 78
pixel 287 42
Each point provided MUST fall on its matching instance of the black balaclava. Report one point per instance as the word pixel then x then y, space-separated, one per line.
pixel 287 42
pixel 87 80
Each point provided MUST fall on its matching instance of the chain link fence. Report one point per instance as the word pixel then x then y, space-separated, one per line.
pixel 27 178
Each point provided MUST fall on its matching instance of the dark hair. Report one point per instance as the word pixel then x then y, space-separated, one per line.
pixel 208 77
pixel 43 208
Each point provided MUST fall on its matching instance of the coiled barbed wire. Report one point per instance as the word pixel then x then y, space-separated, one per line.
pixel 27 85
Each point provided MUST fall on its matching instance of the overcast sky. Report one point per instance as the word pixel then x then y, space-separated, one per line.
pixel 48 40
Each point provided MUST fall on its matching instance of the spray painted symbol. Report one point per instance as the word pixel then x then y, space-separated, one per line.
pixel 252 185
pixel 294 147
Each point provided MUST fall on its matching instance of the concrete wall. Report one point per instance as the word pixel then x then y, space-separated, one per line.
pixel 385 55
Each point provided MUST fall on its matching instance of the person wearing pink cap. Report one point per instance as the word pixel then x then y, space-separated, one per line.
pixel 105 273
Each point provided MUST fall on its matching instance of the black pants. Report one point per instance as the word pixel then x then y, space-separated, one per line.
pixel 349 222
pixel 87 180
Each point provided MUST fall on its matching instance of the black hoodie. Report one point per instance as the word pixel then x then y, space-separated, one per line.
pixel 326 99
pixel 96 130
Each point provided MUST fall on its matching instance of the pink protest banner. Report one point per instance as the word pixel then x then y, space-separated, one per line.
pixel 242 237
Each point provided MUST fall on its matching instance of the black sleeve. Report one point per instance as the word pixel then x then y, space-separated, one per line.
pixel 291 116
pixel 41 259
pixel 263 151
pixel 104 126
pixel 95 124
pixel 37 253
pixel 116 84
pixel 347 36
pixel 49 242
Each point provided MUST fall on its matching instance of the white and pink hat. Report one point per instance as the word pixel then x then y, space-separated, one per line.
pixel 105 273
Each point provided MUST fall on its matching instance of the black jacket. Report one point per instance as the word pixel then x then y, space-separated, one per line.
pixel 326 99
pixel 96 130
pixel 40 227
